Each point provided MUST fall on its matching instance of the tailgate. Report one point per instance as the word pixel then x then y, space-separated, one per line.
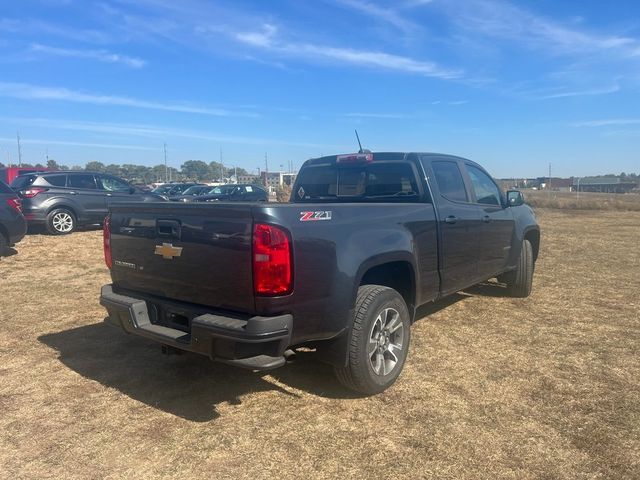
pixel 192 253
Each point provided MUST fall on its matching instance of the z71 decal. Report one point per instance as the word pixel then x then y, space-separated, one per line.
pixel 315 216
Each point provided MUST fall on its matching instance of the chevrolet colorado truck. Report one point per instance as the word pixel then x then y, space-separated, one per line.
pixel 365 239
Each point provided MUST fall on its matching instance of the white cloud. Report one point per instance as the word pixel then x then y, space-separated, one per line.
pixel 99 55
pixel 350 56
pixel 387 15
pixel 502 19
pixel 37 141
pixel 153 131
pixel 580 93
pixel 263 38
pixel 608 122
pixel 36 92
pixel 375 115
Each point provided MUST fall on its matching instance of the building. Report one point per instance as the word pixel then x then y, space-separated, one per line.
pixel 278 179
pixel 247 178
pixel 603 185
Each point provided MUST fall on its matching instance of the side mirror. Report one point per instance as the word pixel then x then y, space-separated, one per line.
pixel 515 198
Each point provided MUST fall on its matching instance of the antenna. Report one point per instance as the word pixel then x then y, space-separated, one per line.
pixel 166 169
pixel 359 144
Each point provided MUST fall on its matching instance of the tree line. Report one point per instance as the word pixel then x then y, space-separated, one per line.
pixel 196 170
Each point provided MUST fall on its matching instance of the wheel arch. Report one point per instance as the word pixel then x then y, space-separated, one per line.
pixel 63 206
pixel 533 235
pixel 395 270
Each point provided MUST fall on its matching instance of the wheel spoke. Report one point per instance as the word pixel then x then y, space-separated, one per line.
pixel 394 352
pixel 379 365
pixel 372 347
pixel 394 323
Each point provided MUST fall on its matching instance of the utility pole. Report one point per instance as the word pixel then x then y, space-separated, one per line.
pixel 166 168
pixel 266 171
pixel 221 167
pixel 19 150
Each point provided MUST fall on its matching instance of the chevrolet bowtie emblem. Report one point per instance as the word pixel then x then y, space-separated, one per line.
pixel 168 251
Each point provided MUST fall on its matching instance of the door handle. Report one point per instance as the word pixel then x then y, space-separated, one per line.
pixel 109 195
pixel 486 219
pixel 73 193
pixel 451 219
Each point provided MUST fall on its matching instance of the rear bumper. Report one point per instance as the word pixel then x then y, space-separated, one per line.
pixel 34 215
pixel 16 229
pixel 257 343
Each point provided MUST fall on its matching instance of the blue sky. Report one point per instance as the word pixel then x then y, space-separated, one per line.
pixel 513 85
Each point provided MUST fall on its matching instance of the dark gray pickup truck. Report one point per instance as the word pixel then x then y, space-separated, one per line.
pixel 365 239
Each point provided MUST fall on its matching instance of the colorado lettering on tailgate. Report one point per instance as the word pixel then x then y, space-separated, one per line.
pixel 315 216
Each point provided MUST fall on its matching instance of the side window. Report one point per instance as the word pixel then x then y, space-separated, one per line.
pixel 249 189
pixel 450 182
pixel 56 180
pixel 113 184
pixel 85 181
pixel 485 189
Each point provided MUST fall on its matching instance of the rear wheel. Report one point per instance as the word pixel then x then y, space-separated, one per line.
pixel 379 341
pixel 61 221
pixel 520 281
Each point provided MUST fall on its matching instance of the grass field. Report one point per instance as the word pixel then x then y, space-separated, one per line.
pixel 545 387
pixel 583 201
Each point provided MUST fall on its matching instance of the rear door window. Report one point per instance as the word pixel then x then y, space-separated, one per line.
pixel 449 180
pixel 84 181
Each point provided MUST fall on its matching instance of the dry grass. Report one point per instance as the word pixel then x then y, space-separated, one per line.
pixel 584 201
pixel 545 387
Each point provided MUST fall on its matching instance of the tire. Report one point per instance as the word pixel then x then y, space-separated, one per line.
pixel 520 281
pixel 379 341
pixel 61 222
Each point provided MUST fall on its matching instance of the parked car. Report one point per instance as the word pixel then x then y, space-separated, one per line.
pixel 173 189
pixel 366 239
pixel 61 201
pixel 13 226
pixel 233 193
pixel 191 192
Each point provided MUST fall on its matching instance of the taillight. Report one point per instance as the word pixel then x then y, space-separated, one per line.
pixel 32 192
pixel 355 158
pixel 106 241
pixel 272 272
pixel 15 203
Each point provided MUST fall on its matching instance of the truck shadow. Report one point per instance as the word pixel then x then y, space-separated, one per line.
pixel 191 386
pixel 8 252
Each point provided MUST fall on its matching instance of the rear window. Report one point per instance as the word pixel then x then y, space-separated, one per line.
pixel 23 181
pixel 377 181
pixel 55 180
pixel 4 188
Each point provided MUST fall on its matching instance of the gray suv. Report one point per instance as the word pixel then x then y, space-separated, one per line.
pixel 61 201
